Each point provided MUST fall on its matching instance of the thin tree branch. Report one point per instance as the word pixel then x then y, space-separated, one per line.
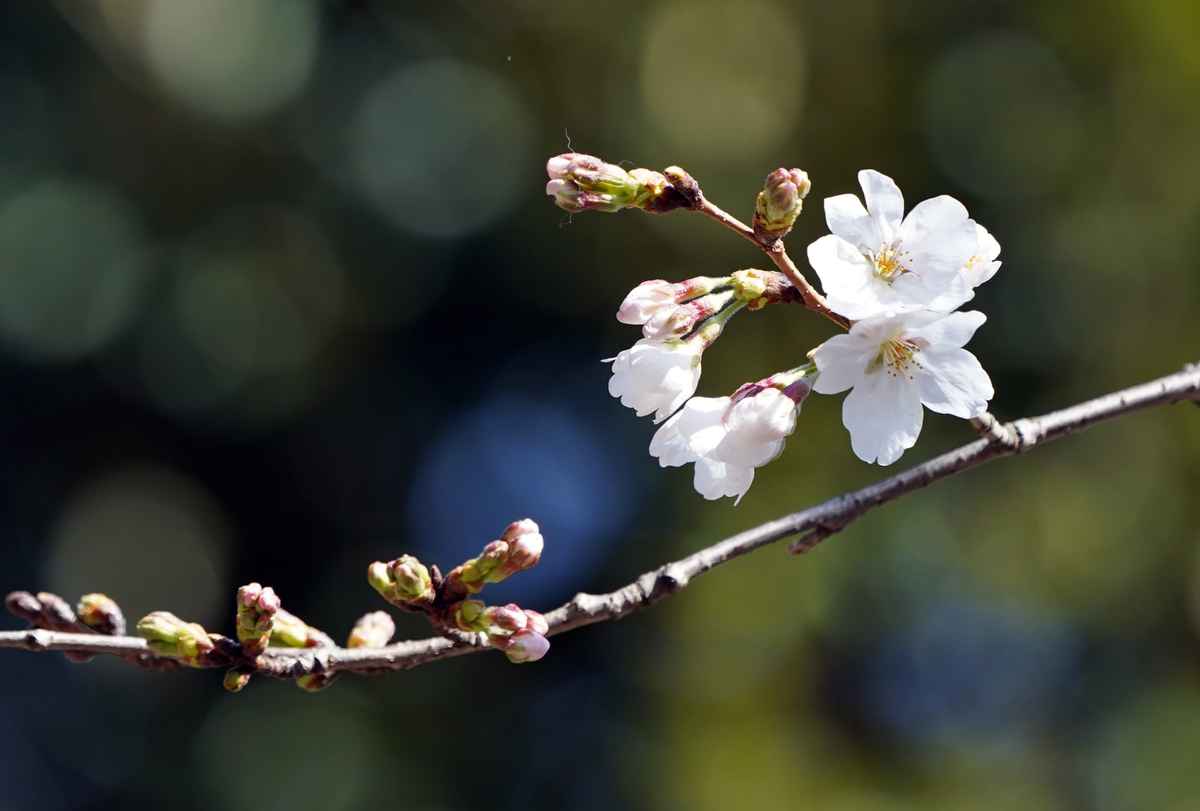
pixel 778 254
pixel 813 525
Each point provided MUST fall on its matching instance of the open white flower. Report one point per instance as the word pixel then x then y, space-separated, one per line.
pixel 656 376
pixel 877 261
pixel 726 440
pixel 894 366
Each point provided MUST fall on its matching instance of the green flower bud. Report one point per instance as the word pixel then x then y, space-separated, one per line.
pixel 412 581
pixel 380 578
pixel 168 635
pixel 236 679
pixel 101 614
pixel 470 615
pixel 289 631
pixel 779 203
pixel 749 284
pixel 316 682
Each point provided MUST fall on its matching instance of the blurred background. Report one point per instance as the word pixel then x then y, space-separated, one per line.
pixel 281 294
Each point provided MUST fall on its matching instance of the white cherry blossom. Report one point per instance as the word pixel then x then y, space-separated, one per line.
pixel 894 365
pixel 656 376
pixel 877 261
pixel 727 439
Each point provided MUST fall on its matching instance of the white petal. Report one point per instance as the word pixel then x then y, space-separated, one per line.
pixel 938 238
pixel 989 248
pixel 984 264
pixel 954 330
pixel 755 429
pixel 883 415
pixel 933 216
pixel 715 479
pixel 691 433
pixel 645 300
pixel 842 361
pixel 954 293
pixel 841 267
pixel 846 218
pixel 884 201
pixel 952 381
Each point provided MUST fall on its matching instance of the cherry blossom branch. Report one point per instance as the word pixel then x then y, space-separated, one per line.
pixel 777 253
pixel 813 525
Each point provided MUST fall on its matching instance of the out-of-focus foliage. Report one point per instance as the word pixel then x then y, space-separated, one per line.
pixel 280 294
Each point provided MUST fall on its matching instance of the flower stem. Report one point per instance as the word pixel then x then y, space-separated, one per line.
pixel 778 254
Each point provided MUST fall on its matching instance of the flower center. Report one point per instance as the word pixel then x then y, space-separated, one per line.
pixel 888 264
pixel 896 356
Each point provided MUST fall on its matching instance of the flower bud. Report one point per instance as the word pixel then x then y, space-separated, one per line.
pixel 750 284
pixel 779 203
pixel 525 544
pixel 535 621
pixel 525 646
pixel 56 613
pixel 404 582
pixel 372 630
pixel 586 183
pixel 289 631
pixel 257 609
pixel 508 618
pixel 316 682
pixel 413 583
pixel 470 615
pixel 102 614
pixel 168 635
pixel 236 679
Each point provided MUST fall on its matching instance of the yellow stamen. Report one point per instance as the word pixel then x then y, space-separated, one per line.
pixel 888 264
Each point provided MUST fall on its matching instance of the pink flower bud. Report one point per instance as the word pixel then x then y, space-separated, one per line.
pixel 268 601
pixel 526 646
pixel 507 617
pixel 645 300
pixel 248 594
pixel 536 622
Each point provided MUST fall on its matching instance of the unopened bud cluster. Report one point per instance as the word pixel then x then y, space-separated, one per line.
pixel 518 549
pixel 518 632
pixel 257 608
pixel 779 203
pixel 580 182
pixel 404 582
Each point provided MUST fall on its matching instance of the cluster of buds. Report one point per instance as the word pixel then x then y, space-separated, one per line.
pixel 95 613
pixel 518 632
pixel 518 549
pixel 374 630
pixel 779 203
pixel 257 608
pixel 169 636
pixel 407 583
pixel 404 582
pixel 586 183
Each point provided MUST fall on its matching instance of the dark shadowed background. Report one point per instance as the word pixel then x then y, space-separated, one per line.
pixel 280 294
